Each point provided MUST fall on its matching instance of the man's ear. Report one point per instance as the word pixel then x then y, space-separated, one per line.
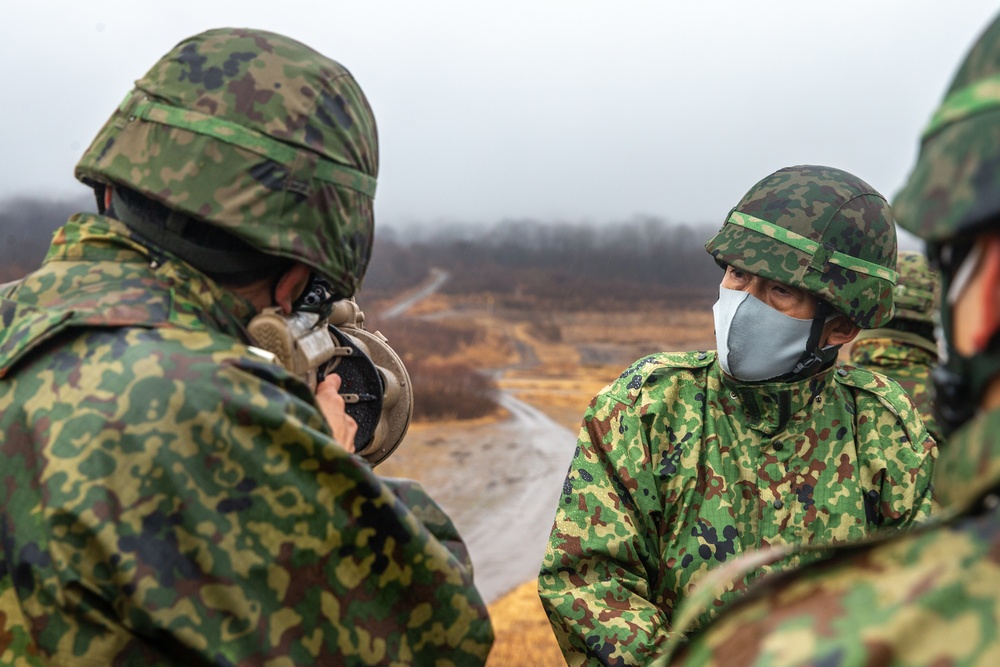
pixel 987 294
pixel 839 331
pixel 290 286
pixel 107 196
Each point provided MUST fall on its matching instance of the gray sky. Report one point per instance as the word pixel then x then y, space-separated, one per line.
pixel 579 110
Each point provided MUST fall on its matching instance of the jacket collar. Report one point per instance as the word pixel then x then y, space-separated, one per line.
pixel 97 275
pixel 768 406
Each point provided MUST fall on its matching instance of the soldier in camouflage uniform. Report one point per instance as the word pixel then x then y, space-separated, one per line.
pixel 170 495
pixel 690 459
pixel 930 596
pixel 905 348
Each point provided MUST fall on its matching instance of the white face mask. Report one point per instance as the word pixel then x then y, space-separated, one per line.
pixel 756 342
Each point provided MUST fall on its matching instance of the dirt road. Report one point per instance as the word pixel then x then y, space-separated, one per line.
pixel 438 278
pixel 507 537
pixel 499 482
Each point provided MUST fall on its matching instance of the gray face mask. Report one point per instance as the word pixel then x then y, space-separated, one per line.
pixel 756 342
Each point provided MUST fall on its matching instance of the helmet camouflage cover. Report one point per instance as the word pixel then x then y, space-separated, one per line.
pixel 954 189
pixel 819 229
pixel 257 134
pixel 918 290
pixel 952 194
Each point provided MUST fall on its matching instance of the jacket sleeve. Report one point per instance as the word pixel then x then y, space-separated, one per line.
pixel 236 531
pixel 899 460
pixel 598 581
pixel 907 492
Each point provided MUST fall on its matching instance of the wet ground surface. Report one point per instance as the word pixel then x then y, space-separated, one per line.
pixel 499 483
pixel 507 537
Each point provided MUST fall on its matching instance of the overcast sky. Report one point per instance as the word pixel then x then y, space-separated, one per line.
pixel 579 110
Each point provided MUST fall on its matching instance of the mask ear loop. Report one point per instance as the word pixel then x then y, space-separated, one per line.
pixel 814 356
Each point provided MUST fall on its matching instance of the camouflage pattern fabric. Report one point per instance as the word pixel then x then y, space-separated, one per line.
pixel 680 468
pixel 820 229
pixel 929 596
pixel 259 135
pixel 918 292
pixel 169 497
pixel 906 360
pixel 951 191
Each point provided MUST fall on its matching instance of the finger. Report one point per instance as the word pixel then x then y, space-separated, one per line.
pixel 331 382
pixel 350 430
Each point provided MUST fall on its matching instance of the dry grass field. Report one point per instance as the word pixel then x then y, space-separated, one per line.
pixel 555 360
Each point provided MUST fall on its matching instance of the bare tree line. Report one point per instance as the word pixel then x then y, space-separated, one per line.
pixel 505 258
pixel 26 226
pixel 552 261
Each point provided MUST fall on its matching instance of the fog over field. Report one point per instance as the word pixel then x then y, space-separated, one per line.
pixel 587 111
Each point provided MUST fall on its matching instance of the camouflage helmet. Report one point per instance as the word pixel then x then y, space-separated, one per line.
pixel 918 290
pixel 954 189
pixel 259 135
pixel 951 195
pixel 819 229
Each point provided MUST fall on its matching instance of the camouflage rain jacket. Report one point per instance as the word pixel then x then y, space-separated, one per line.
pixel 906 358
pixel 168 497
pixel 930 596
pixel 680 468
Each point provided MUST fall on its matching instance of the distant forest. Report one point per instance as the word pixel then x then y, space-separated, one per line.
pixel 642 257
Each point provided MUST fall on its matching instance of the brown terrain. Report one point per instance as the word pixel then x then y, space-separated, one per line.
pixel 552 359
pixel 505 344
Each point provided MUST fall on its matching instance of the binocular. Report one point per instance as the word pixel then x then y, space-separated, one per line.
pixel 326 335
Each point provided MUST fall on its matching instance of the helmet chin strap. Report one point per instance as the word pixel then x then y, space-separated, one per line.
pixel 814 358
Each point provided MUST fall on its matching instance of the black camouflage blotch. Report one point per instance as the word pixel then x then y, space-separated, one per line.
pixel 29 557
pixel 246 485
pixel 872 514
pixel 233 504
pixel 723 548
pixel 987 199
pixel 835 659
pixel 332 111
pixel 7 309
pixel 156 546
pixel 269 174
pixel 805 495
pixel 211 77
pixel 603 651
pixel 104 149
pixel 634 368
pixel 383 522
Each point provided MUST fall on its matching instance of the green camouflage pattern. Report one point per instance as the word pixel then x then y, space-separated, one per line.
pixel 918 291
pixel 909 362
pixel 170 497
pixel 819 229
pixel 680 468
pixel 952 189
pixel 928 596
pixel 255 133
